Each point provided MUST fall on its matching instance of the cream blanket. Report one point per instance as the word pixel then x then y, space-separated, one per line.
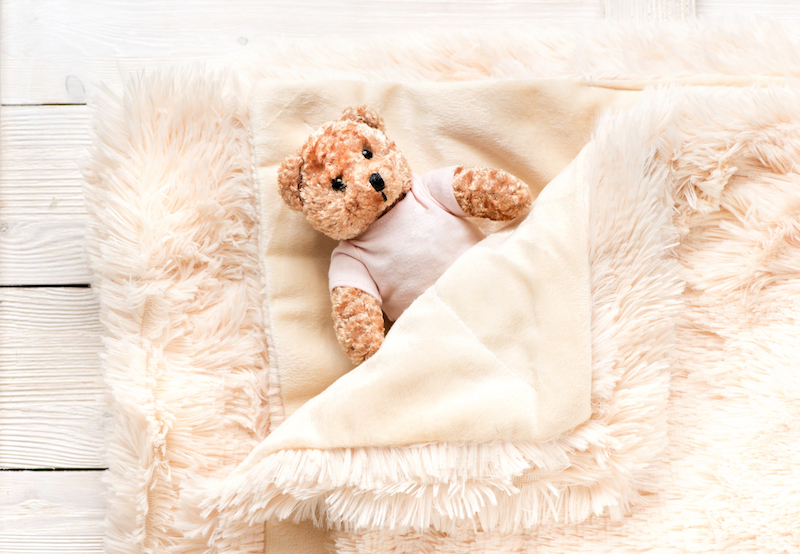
pixel 616 372
pixel 530 384
pixel 479 406
pixel 509 325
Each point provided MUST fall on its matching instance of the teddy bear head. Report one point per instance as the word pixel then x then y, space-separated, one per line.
pixel 346 175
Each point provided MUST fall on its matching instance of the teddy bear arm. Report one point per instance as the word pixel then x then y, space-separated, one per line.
pixel 358 322
pixel 490 193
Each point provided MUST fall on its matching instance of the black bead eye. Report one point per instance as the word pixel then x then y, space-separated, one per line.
pixel 338 184
pixel 366 153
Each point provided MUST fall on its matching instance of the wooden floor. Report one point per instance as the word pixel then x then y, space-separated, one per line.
pixel 55 55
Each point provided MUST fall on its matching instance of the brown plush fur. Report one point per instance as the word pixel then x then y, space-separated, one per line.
pixel 490 193
pixel 336 151
pixel 358 322
pixel 329 181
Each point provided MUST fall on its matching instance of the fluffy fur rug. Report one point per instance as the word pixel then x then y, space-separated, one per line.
pixel 692 188
pixel 172 242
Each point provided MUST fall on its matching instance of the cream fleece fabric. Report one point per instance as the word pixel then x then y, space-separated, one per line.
pixel 532 129
pixel 498 349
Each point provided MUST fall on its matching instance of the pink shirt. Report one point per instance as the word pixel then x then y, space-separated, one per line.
pixel 403 253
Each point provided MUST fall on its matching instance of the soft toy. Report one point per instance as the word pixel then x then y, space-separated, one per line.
pixel 399 231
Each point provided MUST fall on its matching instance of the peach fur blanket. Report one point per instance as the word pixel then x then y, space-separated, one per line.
pixel 661 259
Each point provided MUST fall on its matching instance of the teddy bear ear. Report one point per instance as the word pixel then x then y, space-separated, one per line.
pixel 363 114
pixel 289 181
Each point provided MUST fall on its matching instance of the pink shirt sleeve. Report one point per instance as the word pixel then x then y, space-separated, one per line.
pixel 347 270
pixel 439 183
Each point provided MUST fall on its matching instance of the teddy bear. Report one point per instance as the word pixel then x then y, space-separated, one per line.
pixel 398 231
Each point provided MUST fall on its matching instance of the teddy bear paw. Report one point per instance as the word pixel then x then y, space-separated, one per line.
pixel 490 193
pixel 358 322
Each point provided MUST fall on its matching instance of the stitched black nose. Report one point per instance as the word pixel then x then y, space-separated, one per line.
pixel 377 182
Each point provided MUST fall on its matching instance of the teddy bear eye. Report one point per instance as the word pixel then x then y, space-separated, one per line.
pixel 366 153
pixel 338 184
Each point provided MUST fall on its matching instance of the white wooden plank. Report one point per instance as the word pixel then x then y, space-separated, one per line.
pixel 51 512
pixel 779 10
pixel 52 406
pixel 43 252
pixel 650 10
pixel 42 217
pixel 57 52
pixel 42 150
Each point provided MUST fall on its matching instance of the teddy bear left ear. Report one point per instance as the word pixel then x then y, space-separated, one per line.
pixel 364 114
pixel 289 181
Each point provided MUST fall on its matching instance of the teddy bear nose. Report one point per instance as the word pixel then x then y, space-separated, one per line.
pixel 377 182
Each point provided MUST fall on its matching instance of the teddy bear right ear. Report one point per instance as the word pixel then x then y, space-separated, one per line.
pixel 364 114
pixel 289 181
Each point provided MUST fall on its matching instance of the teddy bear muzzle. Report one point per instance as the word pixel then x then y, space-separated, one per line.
pixel 377 183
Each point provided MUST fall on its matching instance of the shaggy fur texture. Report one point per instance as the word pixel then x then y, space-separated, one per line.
pixel 633 53
pixel 174 257
pixel 172 241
